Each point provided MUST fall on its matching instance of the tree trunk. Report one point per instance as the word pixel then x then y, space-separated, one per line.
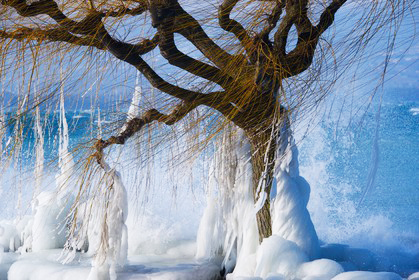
pixel 263 147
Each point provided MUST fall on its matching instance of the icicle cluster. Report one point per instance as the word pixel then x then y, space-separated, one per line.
pixel 229 227
pixel 108 235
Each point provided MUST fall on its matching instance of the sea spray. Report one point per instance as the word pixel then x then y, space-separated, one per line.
pixel 375 157
pixel 2 136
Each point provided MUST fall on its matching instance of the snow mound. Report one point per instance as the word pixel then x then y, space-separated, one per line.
pixel 364 275
pixel 278 256
pixel 319 269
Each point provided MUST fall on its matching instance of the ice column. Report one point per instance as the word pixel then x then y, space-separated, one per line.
pixel 39 149
pixel 290 217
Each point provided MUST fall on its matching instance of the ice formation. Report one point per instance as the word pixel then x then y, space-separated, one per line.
pixel 39 151
pixel 109 242
pixel 229 224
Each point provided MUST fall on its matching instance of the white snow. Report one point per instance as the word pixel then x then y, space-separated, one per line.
pixel 364 275
pixel 278 256
pixel 49 228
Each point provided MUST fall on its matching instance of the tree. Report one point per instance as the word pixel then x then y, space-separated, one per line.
pixel 248 75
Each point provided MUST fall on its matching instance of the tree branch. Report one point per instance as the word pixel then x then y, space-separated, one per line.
pixel 92 25
pixel 328 16
pixel 52 35
pixel 301 57
pixel 272 20
pixel 174 56
pixel 190 28
pixel 233 26
pixel 136 124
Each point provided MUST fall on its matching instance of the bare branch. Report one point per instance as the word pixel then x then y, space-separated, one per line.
pixel 281 35
pixel 92 25
pixel 125 52
pixel 136 124
pixel 174 56
pixel 51 35
pixel 272 20
pixel 328 16
pixel 123 11
pixel 190 28
pixel 146 45
pixel 233 26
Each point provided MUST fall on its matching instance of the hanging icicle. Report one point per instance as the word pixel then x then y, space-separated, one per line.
pixel 39 147
pixel 65 159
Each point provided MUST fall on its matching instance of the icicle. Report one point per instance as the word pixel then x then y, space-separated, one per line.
pixel 99 125
pixel 134 108
pixel 228 226
pixel 18 135
pixel 2 134
pixel 51 208
pixel 39 148
pixel 65 160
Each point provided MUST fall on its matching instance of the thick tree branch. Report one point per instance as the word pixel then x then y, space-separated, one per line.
pixel 124 11
pixel 301 57
pixel 190 28
pixel 281 35
pixel 125 52
pixel 272 20
pixel 92 25
pixel 328 16
pixel 233 26
pixel 174 56
pixel 51 35
pixel 136 124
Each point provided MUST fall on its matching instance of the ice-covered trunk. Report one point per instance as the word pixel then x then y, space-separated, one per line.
pixel 263 152
pixel 231 224
pixel 281 194
pixel 228 227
